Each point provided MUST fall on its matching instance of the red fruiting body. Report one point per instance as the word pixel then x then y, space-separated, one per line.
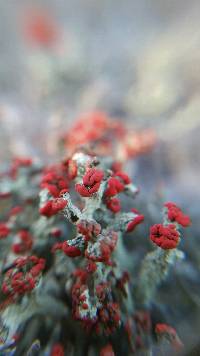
pixel 92 176
pixel 124 177
pixel 56 232
pixel 22 162
pixel 57 350
pixel 175 214
pixel 136 221
pixel 106 251
pixel 114 187
pixel 83 191
pixel 116 166
pixel 113 205
pixel 53 190
pixel 71 251
pixel 52 207
pixel 25 244
pixel 166 237
pixel 5 195
pixel 107 351
pixel 46 210
pixel 58 204
pixel 91 182
pixel 121 282
pixel 56 179
pixel 88 229
pixel 4 230
pixel 57 246
pixel 164 330
pixel 81 274
pixel 91 267
pixel 15 210
pixel 39 28
pixel 62 192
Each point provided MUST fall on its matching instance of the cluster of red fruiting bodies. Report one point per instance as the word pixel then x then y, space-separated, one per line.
pixel 91 182
pixel 58 185
pixel 175 215
pixel 52 207
pixel 18 163
pixel 23 277
pixel 24 240
pixel 96 127
pixel 25 272
pixel 108 316
pixel 56 180
pixel 167 236
pixel 94 245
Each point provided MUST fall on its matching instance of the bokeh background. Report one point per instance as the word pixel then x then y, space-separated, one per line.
pixel 136 60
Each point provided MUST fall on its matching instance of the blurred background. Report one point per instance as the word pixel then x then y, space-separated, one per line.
pixel 135 60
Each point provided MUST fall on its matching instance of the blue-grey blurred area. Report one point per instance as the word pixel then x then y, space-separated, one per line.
pixel 138 60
